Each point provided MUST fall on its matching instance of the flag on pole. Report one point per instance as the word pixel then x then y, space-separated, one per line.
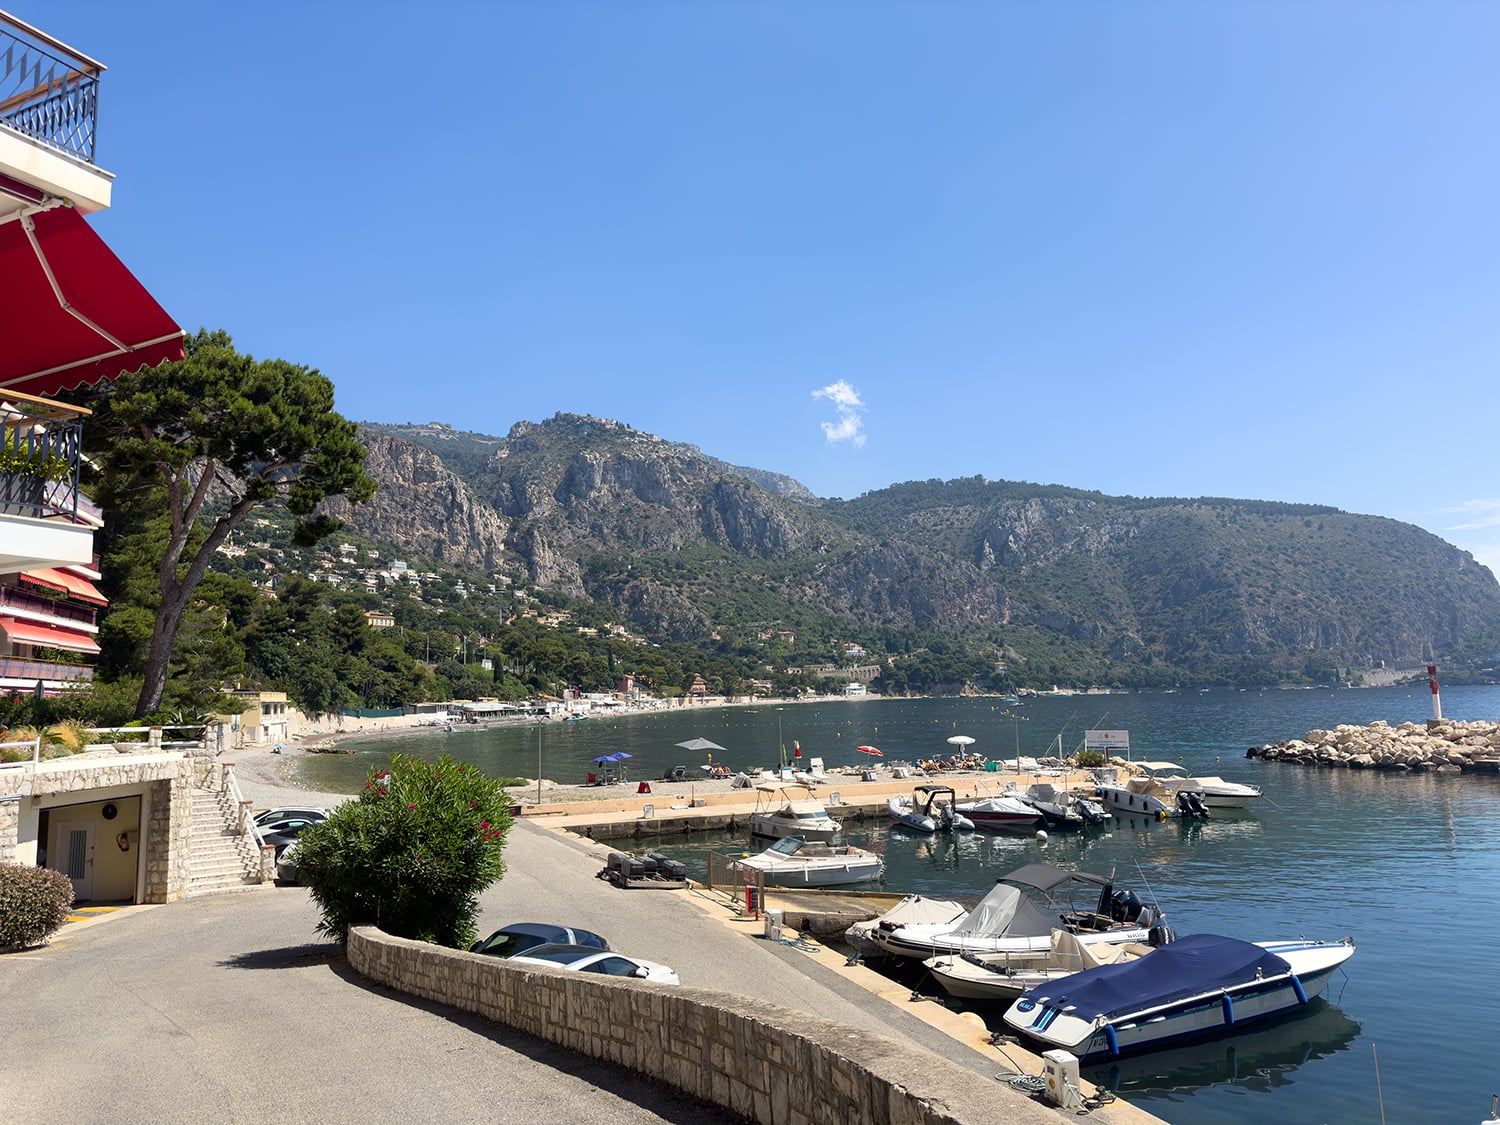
pixel 796 749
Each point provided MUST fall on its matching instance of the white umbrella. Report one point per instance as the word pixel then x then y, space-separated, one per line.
pixel 961 740
pixel 699 744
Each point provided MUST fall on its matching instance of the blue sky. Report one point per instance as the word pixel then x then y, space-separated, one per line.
pixel 1152 249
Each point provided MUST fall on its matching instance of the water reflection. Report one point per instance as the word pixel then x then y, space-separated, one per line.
pixel 1256 1061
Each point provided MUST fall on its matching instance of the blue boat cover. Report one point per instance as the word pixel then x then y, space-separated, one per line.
pixel 1189 966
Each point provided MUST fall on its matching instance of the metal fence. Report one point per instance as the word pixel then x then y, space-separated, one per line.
pixel 48 91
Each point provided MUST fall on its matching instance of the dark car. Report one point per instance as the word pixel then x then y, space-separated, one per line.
pixel 521 936
pixel 281 833
pixel 290 812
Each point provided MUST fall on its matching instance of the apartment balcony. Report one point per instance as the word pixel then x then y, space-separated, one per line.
pixel 44 522
pixel 15 602
pixel 49 106
pixel 22 674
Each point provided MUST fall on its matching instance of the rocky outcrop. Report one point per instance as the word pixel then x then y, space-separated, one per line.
pixel 1441 745
pixel 422 506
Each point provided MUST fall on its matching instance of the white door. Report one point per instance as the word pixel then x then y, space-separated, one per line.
pixel 75 842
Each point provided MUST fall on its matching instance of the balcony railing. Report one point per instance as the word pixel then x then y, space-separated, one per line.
pixel 48 91
pixel 13 598
pixel 40 446
pixel 19 668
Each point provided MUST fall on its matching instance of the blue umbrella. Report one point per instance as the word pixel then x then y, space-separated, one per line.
pixel 601 761
pixel 620 757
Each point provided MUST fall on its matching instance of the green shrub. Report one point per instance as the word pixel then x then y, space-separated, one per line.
pixel 1088 759
pixel 34 902
pixel 411 854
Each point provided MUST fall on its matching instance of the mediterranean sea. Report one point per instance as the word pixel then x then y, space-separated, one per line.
pixel 1405 864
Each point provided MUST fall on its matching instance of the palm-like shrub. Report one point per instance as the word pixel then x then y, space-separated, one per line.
pixel 34 902
pixel 411 854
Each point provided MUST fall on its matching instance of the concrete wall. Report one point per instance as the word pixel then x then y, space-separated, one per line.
pixel 760 1061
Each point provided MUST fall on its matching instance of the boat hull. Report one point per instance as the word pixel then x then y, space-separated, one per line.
pixel 820 874
pixel 1205 1015
pixel 774 827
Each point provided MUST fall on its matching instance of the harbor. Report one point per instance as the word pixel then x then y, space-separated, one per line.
pixel 1332 853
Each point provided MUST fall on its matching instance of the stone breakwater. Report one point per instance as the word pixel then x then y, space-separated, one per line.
pixel 1440 745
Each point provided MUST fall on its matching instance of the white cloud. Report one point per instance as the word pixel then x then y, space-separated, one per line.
pixel 850 426
pixel 1476 514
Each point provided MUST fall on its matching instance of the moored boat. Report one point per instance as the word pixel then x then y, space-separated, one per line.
pixel 1020 912
pixel 1001 812
pixel 793 862
pixel 1200 986
pixel 911 910
pixel 930 808
pixel 1161 790
pixel 1221 794
pixel 779 813
pixel 1003 977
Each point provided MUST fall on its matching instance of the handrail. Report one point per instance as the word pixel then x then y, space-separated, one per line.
pixel 36 752
pixel 246 822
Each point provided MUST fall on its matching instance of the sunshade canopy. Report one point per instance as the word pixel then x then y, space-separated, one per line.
pixel 30 633
pixel 80 588
pixel 53 261
pixel 699 744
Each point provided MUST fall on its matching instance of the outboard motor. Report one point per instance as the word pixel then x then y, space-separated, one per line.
pixel 1199 808
pixel 1124 906
pixel 1160 934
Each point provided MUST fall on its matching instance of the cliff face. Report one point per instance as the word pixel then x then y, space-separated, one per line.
pixel 681 544
pixel 423 507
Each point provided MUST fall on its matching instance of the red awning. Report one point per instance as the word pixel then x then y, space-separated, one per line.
pixel 114 326
pixel 80 588
pixel 29 633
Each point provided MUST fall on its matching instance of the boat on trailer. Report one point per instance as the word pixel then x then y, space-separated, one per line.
pixel 1198 987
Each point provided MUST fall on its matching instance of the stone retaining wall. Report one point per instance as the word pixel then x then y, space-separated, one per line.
pixel 763 1062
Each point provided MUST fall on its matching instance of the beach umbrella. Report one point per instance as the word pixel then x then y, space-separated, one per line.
pixel 606 758
pixel 620 757
pixel 699 744
pixel 871 750
pixel 961 740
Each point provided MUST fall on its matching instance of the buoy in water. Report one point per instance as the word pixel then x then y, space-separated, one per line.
pixel 1041 837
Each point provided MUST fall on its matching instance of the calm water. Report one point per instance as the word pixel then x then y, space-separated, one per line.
pixel 1406 865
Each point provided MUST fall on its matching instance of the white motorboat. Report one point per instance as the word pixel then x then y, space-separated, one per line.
pixel 1221 794
pixel 929 809
pixel 1161 790
pixel 1020 912
pixel 793 862
pixel 1197 987
pixel 1004 811
pixel 911 910
pixel 1004 977
pixel 780 812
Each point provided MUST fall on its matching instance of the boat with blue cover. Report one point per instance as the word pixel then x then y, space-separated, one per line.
pixel 1198 987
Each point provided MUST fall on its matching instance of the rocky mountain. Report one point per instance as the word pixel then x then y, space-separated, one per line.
pixel 688 547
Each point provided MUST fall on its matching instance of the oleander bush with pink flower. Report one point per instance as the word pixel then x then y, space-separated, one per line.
pixel 411 854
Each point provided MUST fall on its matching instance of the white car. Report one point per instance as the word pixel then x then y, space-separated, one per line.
pixel 586 959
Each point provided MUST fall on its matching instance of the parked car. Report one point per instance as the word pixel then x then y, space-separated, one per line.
pixel 281 833
pixel 586 959
pixel 519 937
pixel 288 812
pixel 286 864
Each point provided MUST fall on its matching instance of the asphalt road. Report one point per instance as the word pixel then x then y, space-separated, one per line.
pixel 229 1008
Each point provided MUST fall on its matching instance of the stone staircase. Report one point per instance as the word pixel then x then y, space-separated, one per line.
pixel 220 858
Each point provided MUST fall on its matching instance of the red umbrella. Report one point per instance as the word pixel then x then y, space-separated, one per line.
pixel 871 750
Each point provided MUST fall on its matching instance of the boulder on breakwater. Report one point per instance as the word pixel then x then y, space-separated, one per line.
pixel 1441 744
